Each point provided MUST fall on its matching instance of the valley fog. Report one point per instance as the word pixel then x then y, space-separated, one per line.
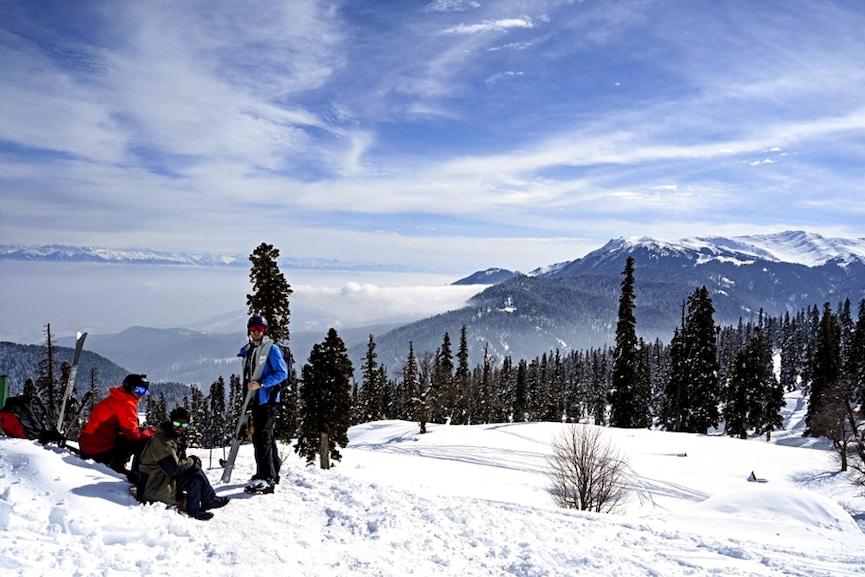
pixel 107 298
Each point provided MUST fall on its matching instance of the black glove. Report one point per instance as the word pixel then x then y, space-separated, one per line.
pixel 195 460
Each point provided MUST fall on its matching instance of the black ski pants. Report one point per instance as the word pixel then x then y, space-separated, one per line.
pixel 200 495
pixel 263 441
pixel 117 456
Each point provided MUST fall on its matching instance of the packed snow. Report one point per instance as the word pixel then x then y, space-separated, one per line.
pixel 457 501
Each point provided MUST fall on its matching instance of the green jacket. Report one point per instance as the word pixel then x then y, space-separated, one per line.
pixel 163 459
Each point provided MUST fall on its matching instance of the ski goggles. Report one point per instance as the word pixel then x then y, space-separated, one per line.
pixel 140 391
pixel 179 424
pixel 256 329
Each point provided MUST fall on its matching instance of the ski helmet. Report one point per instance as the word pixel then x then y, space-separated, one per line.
pixel 256 321
pixel 132 382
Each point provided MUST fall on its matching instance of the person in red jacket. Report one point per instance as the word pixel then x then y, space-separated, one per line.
pixel 112 434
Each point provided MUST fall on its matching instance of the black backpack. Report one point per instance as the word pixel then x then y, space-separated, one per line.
pixel 25 417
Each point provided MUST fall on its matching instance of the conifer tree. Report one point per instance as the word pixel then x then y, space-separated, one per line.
pixel 701 354
pixel 505 388
pixel 370 401
pixel 325 399
pixel 462 382
pixel 659 373
pixel 772 418
pixel 596 393
pixel 156 411
pixel 789 370
pixel 644 383
pixel 410 384
pixel 236 394
pixel 675 407
pixel 554 409
pixel 520 408
pixel 426 395
pixel 196 404
pixel 486 396
pixel 854 375
pixel 217 425
pixel 442 384
pixel 748 389
pixel 533 389
pixel 270 292
pixel 575 394
pixel 627 409
pixel 825 372
pixel 270 299
pixel 856 364
pixel 149 408
pixel 386 394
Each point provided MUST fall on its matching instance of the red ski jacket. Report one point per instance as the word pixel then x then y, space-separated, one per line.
pixel 116 414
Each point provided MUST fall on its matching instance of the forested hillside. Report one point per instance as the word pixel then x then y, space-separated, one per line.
pixel 21 362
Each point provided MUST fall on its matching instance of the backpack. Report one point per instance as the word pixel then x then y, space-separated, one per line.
pixel 25 417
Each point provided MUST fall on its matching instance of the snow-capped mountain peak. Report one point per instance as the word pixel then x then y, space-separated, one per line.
pixel 796 247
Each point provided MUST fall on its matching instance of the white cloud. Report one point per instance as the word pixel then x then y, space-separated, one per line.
pixel 368 302
pixel 491 26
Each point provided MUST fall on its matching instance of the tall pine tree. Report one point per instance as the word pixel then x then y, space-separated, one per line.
pixel 825 372
pixel 442 389
pixel 628 407
pixel 747 389
pixel 696 371
pixel 270 292
pixel 325 400
pixel 462 383
pixel 270 299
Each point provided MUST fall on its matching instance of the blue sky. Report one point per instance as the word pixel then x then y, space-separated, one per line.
pixel 446 135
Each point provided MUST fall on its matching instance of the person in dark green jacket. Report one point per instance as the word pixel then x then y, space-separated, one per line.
pixel 166 472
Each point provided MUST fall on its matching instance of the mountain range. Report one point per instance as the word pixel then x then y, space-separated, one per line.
pixel 573 305
pixel 65 253
pixel 566 306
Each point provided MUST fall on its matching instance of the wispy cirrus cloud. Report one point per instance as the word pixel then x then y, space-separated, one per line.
pixel 352 126
pixel 491 26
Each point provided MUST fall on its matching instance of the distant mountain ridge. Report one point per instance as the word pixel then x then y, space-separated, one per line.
pixel 797 247
pixel 794 247
pixel 65 253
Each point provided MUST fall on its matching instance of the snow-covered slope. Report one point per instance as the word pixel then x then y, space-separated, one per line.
pixel 458 501
pixel 797 247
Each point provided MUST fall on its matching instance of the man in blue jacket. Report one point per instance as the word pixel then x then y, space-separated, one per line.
pixel 264 370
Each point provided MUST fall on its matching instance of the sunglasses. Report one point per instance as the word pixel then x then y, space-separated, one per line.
pixel 256 329
pixel 140 391
pixel 179 424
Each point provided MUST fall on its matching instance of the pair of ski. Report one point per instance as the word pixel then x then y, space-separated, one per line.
pixel 239 434
pixel 70 383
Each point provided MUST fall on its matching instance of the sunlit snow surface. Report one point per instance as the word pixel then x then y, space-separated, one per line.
pixel 457 501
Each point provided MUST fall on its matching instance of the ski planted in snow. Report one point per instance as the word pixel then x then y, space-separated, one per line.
pixel 242 422
pixel 70 383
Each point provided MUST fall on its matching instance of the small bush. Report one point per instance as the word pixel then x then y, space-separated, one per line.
pixel 587 471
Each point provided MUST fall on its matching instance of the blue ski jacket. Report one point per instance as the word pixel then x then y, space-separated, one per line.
pixel 270 373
